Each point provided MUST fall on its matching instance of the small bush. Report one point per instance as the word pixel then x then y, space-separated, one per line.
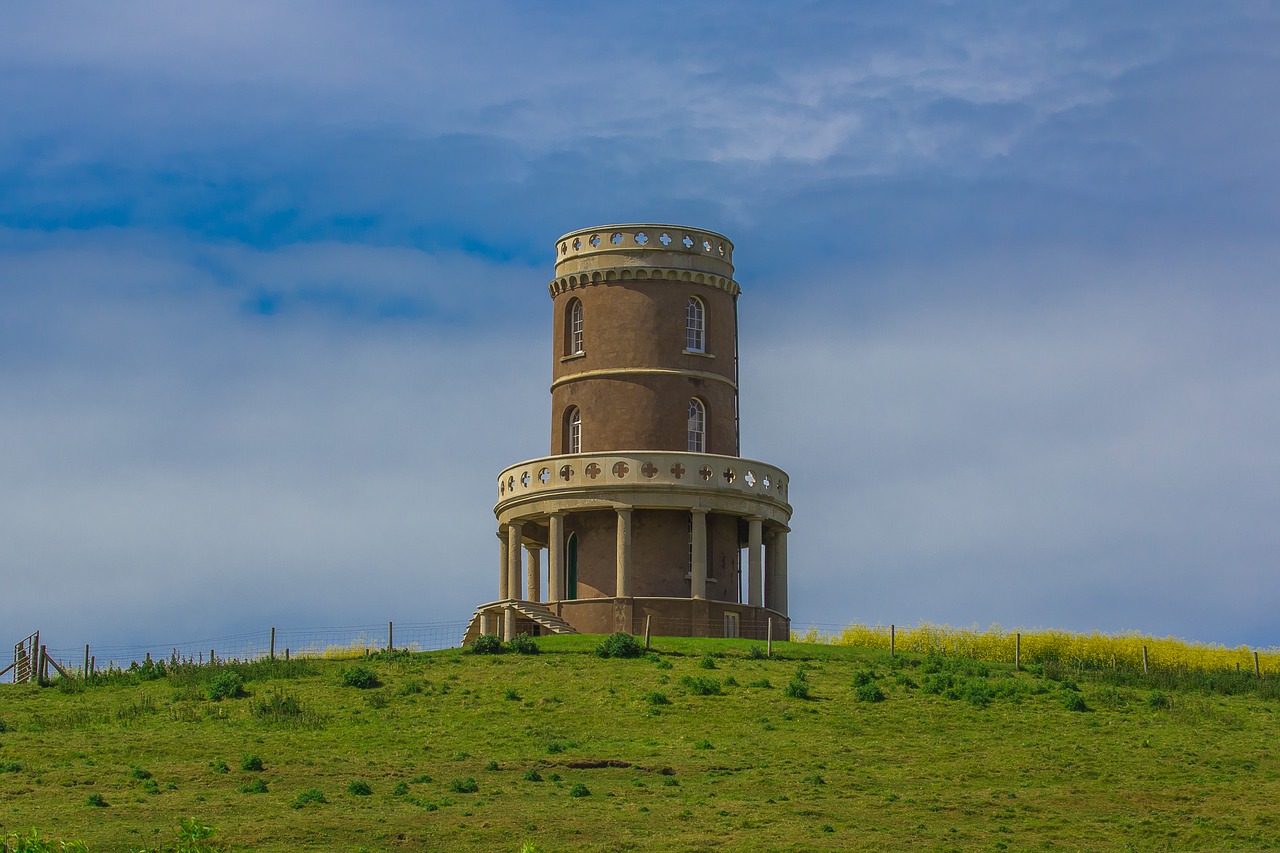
pixel 868 693
pixel 664 664
pixel 225 685
pixel 150 786
pixel 359 788
pixel 96 800
pixel 620 645
pixel 492 766
pixel 757 653
pixel 139 773
pixel 257 786
pixel 760 682
pixel 532 775
pixel 523 645
pixel 701 686
pixel 220 766
pixel 1074 702
pixel 730 681
pixel 708 661
pixel 1158 700
pixel 864 676
pixel 360 676
pixel 511 695
pixel 464 786
pixel 977 693
pixel 311 795
pixel 654 697
pixel 579 790
pixel 400 789
pixel 486 644
pixel 798 687
pixel 250 763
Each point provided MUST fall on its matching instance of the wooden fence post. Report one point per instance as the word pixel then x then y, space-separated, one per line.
pixel 273 643
pixel 286 654
pixel 1146 664
pixel 1017 652
pixel 93 664
pixel 86 660
pixel 42 667
pixel 768 646
pixel 648 623
pixel 893 640
pixel 1257 670
pixel 391 636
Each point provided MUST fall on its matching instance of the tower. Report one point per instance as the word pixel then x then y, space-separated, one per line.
pixel 644 507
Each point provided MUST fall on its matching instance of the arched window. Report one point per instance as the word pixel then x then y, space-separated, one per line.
pixel 697 426
pixel 573 442
pixel 573 328
pixel 695 333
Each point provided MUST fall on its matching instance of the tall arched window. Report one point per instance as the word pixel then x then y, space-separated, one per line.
pixel 573 328
pixel 574 431
pixel 695 333
pixel 697 426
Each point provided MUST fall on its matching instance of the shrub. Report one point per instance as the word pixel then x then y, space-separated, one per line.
pixel 523 645
pixel 257 786
pixel 400 789
pixel 250 763
pixel 191 837
pixel 532 775
pixel 620 645
pixel 798 687
pixel 359 788
pixel 977 693
pixel 701 686
pixel 311 795
pixel 486 644
pixel 139 773
pixel 664 664
pixel 220 766
pixel 1074 702
pixel 150 786
pixel 1158 700
pixel 492 766
pixel 225 685
pixel 708 661
pixel 579 790
pixel 277 706
pixel 11 767
pixel 464 786
pixel 864 676
pixel 655 697
pixel 760 682
pixel 868 693
pixel 360 676
pixel 511 695
pixel 757 653
pixel 730 681
pixel 96 800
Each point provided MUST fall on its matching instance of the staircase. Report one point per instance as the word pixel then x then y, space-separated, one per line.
pixel 534 612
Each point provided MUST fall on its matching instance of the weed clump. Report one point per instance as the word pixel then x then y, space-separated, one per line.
pixel 1074 702
pixel 620 645
pixel 359 788
pixel 1157 700
pixel 250 763
pixel 400 790
pixel 486 644
pixel 655 697
pixel 225 685
pixel 701 685
pixel 868 693
pixel 257 786
pixel 523 645
pixel 464 786
pixel 532 775
pixel 798 687
pixel 708 661
pixel 360 676
pixel 311 795
pixel 757 653
pixel 96 800
pixel 579 790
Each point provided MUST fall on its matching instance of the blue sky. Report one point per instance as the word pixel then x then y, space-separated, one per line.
pixel 273 310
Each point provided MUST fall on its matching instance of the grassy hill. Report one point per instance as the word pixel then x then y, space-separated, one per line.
pixel 699 746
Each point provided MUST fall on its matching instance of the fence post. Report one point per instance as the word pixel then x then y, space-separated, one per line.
pixel 273 643
pixel 1257 670
pixel 768 646
pixel 93 664
pixel 1017 651
pixel 286 654
pixel 1146 665
pixel 648 623
pixel 893 640
pixel 40 666
pixel 391 637
pixel 86 660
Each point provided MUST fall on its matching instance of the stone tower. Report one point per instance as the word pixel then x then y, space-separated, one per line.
pixel 644 507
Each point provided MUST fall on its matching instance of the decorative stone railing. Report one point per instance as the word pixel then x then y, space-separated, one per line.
pixel 730 474
pixel 632 238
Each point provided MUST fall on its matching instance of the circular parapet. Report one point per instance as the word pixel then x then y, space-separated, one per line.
pixel 637 237
pixel 643 251
pixel 640 478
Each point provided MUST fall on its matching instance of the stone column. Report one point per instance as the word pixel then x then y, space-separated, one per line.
pixel 624 553
pixel 779 572
pixel 486 626
pixel 771 569
pixel 698 569
pixel 508 623
pixel 755 591
pixel 555 558
pixel 504 577
pixel 535 573
pixel 515 531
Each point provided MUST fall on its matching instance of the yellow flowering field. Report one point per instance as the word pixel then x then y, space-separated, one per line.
pixel 1092 650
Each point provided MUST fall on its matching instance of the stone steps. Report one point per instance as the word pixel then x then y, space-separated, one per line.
pixel 531 610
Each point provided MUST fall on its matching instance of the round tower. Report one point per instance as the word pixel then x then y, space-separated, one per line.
pixel 644 507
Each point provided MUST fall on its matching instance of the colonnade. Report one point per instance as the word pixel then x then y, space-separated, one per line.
pixel 766 561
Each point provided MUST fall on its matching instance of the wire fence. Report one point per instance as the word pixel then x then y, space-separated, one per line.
pixel 340 641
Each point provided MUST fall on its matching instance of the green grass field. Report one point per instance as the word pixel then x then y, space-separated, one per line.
pixel 566 751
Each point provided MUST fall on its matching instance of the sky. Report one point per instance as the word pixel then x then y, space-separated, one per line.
pixel 273 306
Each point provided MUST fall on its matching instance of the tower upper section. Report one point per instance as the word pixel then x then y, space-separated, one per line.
pixel 645 341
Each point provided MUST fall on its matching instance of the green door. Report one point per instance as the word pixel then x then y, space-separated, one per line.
pixel 571 567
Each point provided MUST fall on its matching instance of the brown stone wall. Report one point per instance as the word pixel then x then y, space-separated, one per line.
pixel 641 324
pixel 722 562
pixel 597 534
